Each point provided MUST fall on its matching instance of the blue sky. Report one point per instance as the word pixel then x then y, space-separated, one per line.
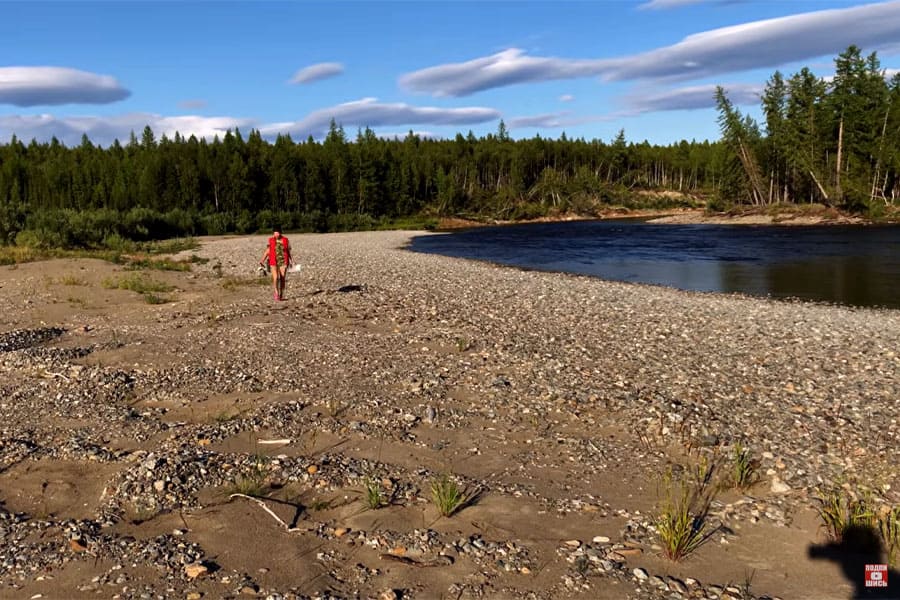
pixel 587 68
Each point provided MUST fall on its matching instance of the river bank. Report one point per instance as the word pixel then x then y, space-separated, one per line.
pixel 561 400
pixel 789 215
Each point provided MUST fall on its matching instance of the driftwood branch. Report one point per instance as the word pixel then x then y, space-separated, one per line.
pixel 262 505
pixel 440 561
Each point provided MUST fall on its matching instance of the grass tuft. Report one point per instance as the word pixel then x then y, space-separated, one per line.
pixel 156 264
pixel 374 495
pixel 448 496
pixel 253 482
pixel 154 299
pixel 72 280
pixel 839 511
pixel 889 528
pixel 137 282
pixel 744 468
pixel 682 522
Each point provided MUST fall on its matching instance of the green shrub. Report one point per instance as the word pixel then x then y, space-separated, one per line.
pixel 350 222
pixel 137 282
pixel 245 223
pixel 217 223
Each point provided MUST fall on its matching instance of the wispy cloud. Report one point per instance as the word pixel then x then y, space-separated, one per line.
pixel 758 44
pixel 38 86
pixel 666 4
pixel 766 43
pixel 508 67
pixel 637 103
pixel 104 130
pixel 542 121
pixel 558 120
pixel 566 98
pixel 193 104
pixel 689 98
pixel 368 112
pixel 317 72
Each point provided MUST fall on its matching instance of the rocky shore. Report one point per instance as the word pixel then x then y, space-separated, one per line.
pixel 558 402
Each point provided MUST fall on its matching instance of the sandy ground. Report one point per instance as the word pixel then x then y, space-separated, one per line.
pixel 560 400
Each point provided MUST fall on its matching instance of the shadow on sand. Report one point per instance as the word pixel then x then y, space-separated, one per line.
pixel 860 546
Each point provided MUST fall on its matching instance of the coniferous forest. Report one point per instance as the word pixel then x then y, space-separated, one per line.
pixel 827 142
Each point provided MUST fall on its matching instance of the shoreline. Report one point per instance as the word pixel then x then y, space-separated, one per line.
pixel 563 399
pixel 684 216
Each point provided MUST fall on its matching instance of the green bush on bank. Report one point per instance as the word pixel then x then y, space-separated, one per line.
pixel 108 229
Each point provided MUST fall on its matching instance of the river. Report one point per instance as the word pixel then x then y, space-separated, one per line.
pixel 853 265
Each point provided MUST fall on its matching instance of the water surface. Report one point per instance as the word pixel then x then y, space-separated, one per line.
pixel 856 265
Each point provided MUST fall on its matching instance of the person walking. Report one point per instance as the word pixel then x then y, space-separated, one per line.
pixel 278 258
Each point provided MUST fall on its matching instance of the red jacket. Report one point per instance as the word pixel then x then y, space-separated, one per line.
pixel 286 251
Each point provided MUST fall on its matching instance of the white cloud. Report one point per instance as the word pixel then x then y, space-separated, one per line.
pixel 686 98
pixel 504 68
pixel 368 112
pixel 36 86
pixel 690 98
pixel 547 120
pixel 759 44
pixel 317 72
pixel 566 98
pixel 103 130
pixel 665 4
pixel 766 43
pixel 558 120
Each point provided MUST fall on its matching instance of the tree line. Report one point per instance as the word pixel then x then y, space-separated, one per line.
pixel 834 143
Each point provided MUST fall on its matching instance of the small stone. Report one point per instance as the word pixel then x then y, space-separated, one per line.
pixel 388 595
pixel 340 532
pixel 195 570
pixel 572 543
pixel 779 487
pixel 676 586
pixel 640 574
pixel 77 545
pixel 159 485
pixel 193 596
pixel 249 589
pixel 312 469
pixel 524 570
pixel 601 539
pixel 710 440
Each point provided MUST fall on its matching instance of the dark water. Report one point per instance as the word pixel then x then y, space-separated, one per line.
pixel 849 265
